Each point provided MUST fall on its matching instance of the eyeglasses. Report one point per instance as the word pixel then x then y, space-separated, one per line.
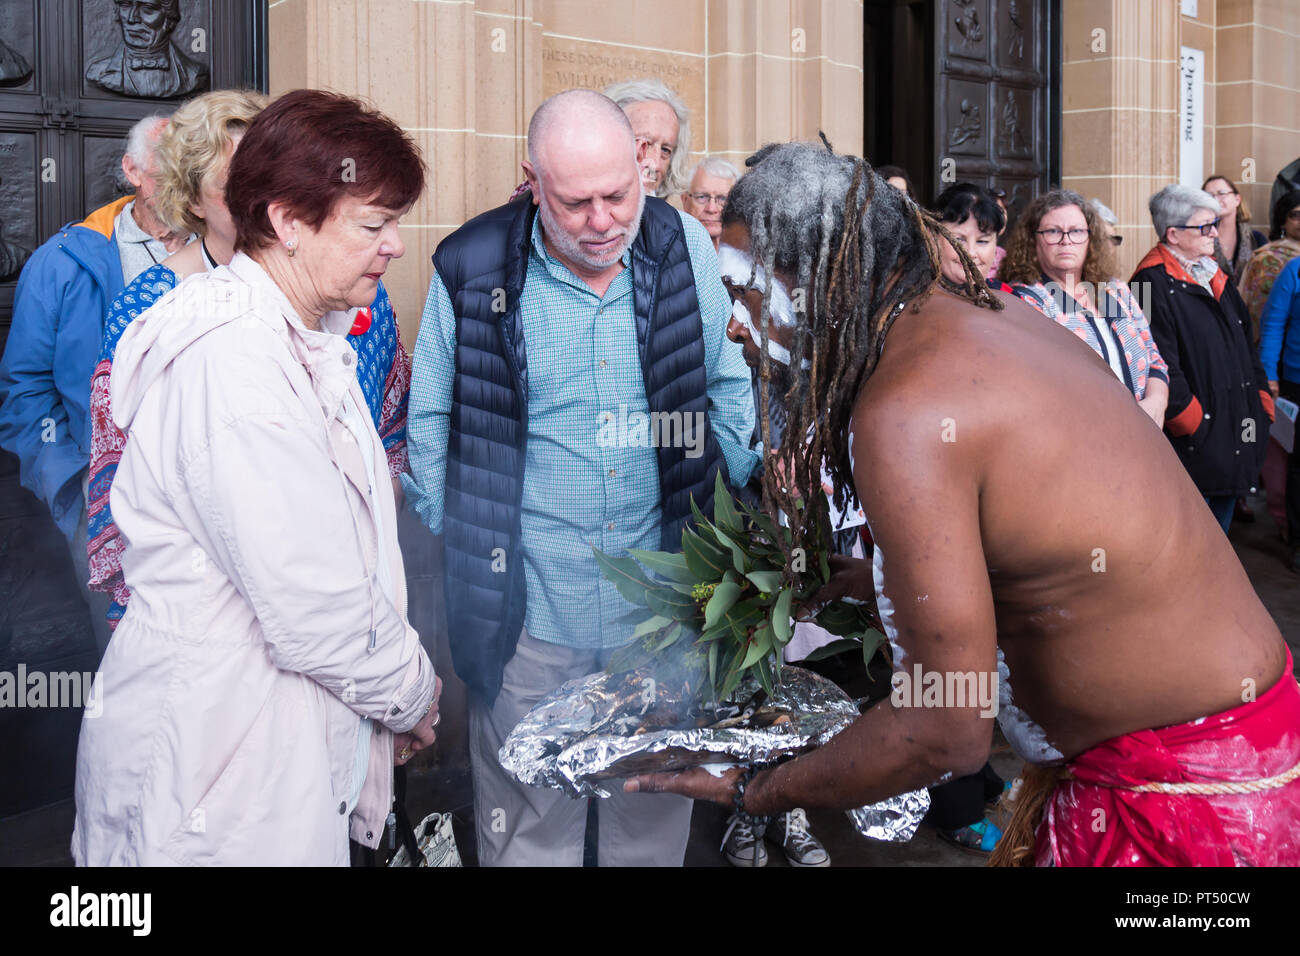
pixel 706 199
pixel 1056 237
pixel 1204 228
pixel 1222 193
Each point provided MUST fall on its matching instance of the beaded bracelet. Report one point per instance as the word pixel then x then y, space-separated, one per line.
pixel 758 822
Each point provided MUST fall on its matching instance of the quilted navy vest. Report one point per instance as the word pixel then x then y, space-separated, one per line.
pixel 486 446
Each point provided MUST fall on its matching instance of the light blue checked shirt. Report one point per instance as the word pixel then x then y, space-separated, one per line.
pixel 582 486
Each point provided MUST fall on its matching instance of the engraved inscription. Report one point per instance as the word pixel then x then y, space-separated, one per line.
pixel 569 64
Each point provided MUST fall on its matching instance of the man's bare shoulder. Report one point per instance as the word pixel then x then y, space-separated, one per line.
pixel 942 357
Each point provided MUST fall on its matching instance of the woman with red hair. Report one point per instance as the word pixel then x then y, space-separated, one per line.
pixel 264 678
pixel 194 156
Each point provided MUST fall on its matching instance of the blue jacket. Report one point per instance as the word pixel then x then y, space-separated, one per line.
pixel 486 447
pixel 1278 342
pixel 62 297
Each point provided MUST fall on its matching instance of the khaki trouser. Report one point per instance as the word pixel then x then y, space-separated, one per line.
pixel 520 825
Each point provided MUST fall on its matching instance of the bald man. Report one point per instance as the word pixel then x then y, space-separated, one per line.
pixel 573 387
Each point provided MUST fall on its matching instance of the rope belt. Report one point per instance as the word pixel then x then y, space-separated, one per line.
pixel 1221 787
pixel 1017 843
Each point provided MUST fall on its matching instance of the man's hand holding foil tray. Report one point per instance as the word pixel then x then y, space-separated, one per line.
pixel 936 605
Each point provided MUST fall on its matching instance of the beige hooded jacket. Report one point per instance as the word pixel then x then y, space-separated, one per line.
pixel 247 701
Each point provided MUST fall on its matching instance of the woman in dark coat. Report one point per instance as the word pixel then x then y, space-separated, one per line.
pixel 1219 405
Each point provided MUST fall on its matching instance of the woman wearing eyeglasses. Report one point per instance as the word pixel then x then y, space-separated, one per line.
pixel 1236 242
pixel 1061 261
pixel 1219 405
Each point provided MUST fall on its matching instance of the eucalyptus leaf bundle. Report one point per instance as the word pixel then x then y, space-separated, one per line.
pixel 724 604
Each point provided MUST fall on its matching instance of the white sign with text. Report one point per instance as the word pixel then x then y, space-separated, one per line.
pixel 1191 117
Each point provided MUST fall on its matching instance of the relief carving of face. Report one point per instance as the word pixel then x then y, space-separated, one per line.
pixel 147 63
pixel 146 25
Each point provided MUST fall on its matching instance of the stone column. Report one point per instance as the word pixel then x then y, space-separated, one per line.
pixel 783 71
pixel 1119 137
pixel 1257 96
pixel 461 78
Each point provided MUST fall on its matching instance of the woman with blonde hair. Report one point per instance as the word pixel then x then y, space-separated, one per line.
pixel 1236 242
pixel 194 156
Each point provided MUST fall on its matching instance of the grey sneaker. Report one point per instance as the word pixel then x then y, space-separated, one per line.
pixel 790 830
pixel 740 845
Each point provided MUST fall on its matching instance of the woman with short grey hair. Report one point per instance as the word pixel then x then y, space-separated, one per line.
pixel 1109 220
pixel 662 126
pixel 1174 206
pixel 1219 406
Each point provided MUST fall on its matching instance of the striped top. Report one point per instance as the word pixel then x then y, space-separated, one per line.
pixel 1123 319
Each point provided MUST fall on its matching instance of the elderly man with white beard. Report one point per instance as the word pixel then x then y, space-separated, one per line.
pixel 580 305
pixel 662 127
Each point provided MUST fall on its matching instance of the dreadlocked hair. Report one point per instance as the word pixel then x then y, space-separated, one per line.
pixel 859 251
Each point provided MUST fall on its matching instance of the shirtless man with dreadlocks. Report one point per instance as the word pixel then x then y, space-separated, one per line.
pixel 1029 522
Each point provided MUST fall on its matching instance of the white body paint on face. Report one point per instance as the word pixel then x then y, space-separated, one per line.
pixel 738 268
pixel 1027 739
pixel 775 350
